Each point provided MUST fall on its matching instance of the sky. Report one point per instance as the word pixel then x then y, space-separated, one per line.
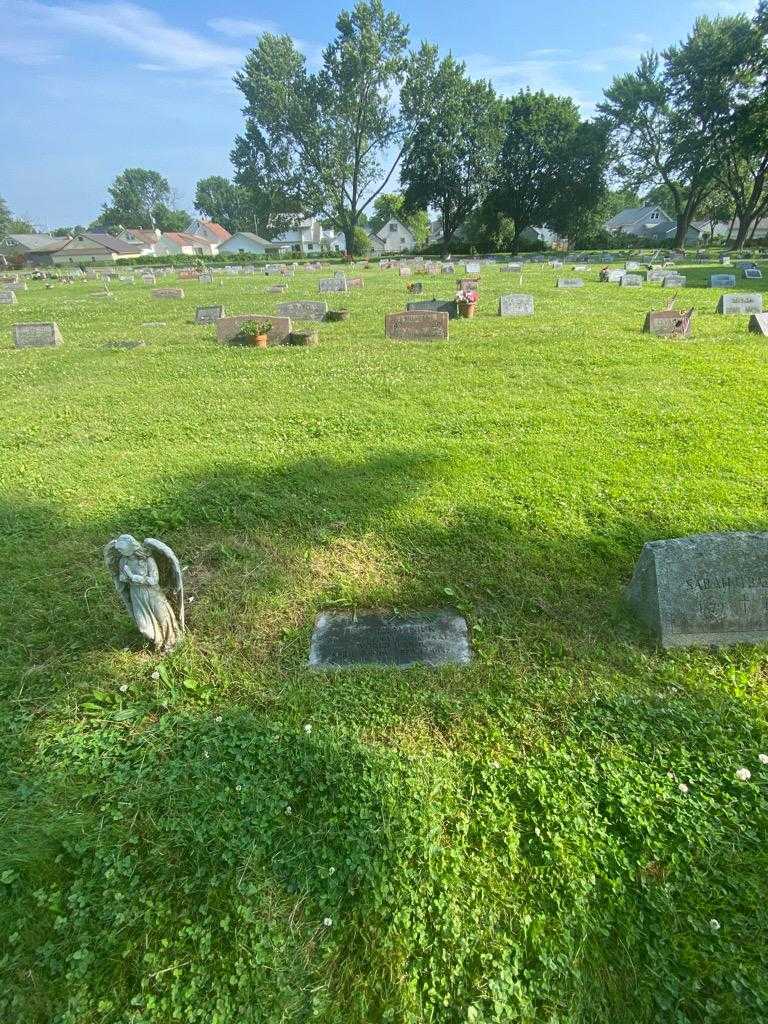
pixel 90 88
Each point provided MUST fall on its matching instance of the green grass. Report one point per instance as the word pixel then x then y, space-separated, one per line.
pixel 505 842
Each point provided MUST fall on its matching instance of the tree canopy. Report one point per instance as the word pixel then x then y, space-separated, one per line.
pixel 140 198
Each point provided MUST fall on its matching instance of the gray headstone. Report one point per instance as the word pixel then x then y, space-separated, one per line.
pixel 208 314
pixel 709 589
pixel 612 276
pixel 333 284
pixel 449 268
pixel 205 279
pixel 758 324
pixel 123 344
pixel 511 268
pixel 473 267
pixel 8 298
pixel 448 306
pixel 416 288
pixel 632 281
pixel 656 276
pixel 303 310
pixel 570 282
pixel 674 281
pixel 516 305
pixel 722 281
pixel 167 293
pixel 343 640
pixel 228 326
pixel 753 274
pixel 741 302
pixel 668 323
pixel 17 286
pixel 632 265
pixel 425 325
pixel 36 335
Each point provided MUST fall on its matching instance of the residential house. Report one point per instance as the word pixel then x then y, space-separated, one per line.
pixel 725 231
pixel 179 243
pixel 309 236
pixel 209 230
pixel 393 236
pixel 36 249
pixel 650 222
pixel 543 235
pixel 146 238
pixel 95 247
pixel 245 241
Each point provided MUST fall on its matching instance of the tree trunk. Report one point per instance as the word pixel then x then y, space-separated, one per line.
pixel 741 234
pixel 730 229
pixel 516 238
pixel 683 223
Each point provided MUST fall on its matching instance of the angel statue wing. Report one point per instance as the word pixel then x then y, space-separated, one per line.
pixel 112 561
pixel 171 579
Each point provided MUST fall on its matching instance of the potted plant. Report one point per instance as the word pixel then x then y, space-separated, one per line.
pixel 466 300
pixel 254 333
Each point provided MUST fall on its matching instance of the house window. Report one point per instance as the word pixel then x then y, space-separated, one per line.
pixel 393 228
pixel 310 246
pixel 655 216
pixel 402 240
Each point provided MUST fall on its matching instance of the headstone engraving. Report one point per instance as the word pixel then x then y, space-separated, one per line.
pixel 36 335
pixel 304 310
pixel 570 282
pixel 753 274
pixel 8 298
pixel 473 267
pixel 208 314
pixel 668 323
pixel 612 276
pixel 167 293
pixel 632 281
pixel 674 281
pixel 449 306
pixel 332 284
pixel 343 640
pixel 704 590
pixel 741 302
pixel 227 327
pixel 722 281
pixel 516 305
pixel 425 325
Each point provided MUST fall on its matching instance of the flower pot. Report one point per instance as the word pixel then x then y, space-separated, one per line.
pixel 467 309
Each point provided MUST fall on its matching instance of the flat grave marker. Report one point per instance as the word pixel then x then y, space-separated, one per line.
pixel 123 345
pixel 753 274
pixel 423 325
pixel 36 335
pixel 703 590
pixel 343 639
pixel 473 267
pixel 167 293
pixel 516 305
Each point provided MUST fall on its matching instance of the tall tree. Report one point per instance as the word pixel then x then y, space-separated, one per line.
pixel 453 135
pixel 552 165
pixel 139 198
pixel 226 203
pixel 10 225
pixel 655 143
pixel 392 204
pixel 714 78
pixel 318 140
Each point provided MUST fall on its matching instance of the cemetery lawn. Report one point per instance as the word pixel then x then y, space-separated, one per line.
pixel 228 837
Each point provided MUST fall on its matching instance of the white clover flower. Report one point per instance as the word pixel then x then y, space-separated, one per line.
pixel 683 788
pixel 762 758
pixel 743 774
pixel 714 924
pixel 308 728
pixel 289 809
pixel 495 764
pixel 218 718
pixel 206 754
pixel 327 921
pixel 124 688
pixel 238 789
pixel 156 674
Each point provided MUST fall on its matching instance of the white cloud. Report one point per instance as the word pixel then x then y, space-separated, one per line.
pixel 241 28
pixel 726 7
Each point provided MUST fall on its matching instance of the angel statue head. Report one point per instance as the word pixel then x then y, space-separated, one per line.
pixel 148 579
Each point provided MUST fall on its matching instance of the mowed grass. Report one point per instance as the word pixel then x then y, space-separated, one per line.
pixel 228 837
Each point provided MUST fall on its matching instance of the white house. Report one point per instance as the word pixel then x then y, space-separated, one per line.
pixel 208 229
pixel 95 247
pixel 179 243
pixel 393 236
pixel 245 241
pixel 650 222
pixel 146 238
pixel 723 230
pixel 309 236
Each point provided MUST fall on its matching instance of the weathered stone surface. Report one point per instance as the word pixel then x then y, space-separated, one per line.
pixel 741 302
pixel 36 335
pixel 632 281
pixel 167 293
pixel 304 310
pixel 758 324
pixel 473 267
pixel 668 323
pixel 16 286
pixel 416 326
pixel 8 298
pixel 123 344
pixel 227 327
pixel 333 284
pixel 511 268
pixel 570 282
pixel 205 278
pixel 355 282
pixel 674 281
pixel 632 265
pixel 448 306
pixel 722 281
pixel 448 268
pixel 612 276
pixel 471 284
pixel 753 274
pixel 656 276
pixel 208 314
pixel 704 590
pixel 343 640
pixel 516 305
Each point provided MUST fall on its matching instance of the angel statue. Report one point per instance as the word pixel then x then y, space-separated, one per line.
pixel 142 574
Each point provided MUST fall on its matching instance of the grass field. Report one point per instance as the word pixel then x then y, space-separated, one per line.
pixel 502 843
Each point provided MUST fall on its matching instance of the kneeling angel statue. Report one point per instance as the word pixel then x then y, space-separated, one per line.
pixel 148 579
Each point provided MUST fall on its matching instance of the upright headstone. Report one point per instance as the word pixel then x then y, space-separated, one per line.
pixel 206 278
pixel 753 274
pixel 416 326
pixel 656 276
pixel 473 267
pixel 668 323
pixel 448 268
pixel 332 284
pixel 612 276
pixel 436 306
pixel 315 311
pixel 722 281
pixel 229 326
pixel 674 281
pixel 632 281
pixel 704 590
pixel 167 293
pixel 8 298
pixel 570 282
pixel 741 302
pixel 516 305
pixel 758 324
pixel 36 335
pixel 208 314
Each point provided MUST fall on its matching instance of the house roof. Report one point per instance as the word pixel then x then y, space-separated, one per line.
pixel 31 242
pixel 182 238
pixel 632 216
pixel 104 241
pixel 142 235
pixel 216 229
pixel 382 238
pixel 251 237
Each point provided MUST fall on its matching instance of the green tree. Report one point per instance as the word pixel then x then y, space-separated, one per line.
pixel 77 229
pixel 361 243
pixel 315 143
pixel 552 166
pixel 226 203
pixel 139 198
pixel 453 136
pixel 392 205
pixel 10 225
